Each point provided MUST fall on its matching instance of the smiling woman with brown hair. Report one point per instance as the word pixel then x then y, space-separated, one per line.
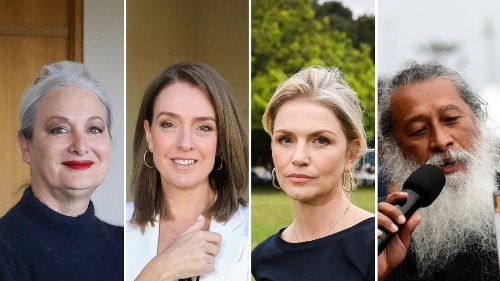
pixel 189 174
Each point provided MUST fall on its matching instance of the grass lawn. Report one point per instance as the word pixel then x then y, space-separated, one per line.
pixel 272 210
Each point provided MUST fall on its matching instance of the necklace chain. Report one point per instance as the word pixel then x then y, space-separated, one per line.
pixel 330 228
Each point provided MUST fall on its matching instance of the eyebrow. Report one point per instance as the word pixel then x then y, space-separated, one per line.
pixel 175 115
pixel 318 132
pixel 66 119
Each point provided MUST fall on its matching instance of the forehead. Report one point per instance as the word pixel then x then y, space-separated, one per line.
pixel 185 98
pixel 428 96
pixel 303 115
pixel 67 101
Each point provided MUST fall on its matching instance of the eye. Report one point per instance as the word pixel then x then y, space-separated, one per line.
pixel 167 124
pixel 95 130
pixel 285 140
pixel 451 120
pixel 417 132
pixel 206 128
pixel 59 130
pixel 322 140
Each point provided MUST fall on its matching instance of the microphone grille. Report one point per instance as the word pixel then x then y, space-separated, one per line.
pixel 427 181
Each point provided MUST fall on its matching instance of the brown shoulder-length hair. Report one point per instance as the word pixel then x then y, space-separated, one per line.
pixel 232 144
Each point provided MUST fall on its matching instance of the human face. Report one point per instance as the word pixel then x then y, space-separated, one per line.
pixel 310 151
pixel 183 136
pixel 431 117
pixel 69 150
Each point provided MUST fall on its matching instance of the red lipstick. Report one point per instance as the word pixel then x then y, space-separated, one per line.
pixel 79 165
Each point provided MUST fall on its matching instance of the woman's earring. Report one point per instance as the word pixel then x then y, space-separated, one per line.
pixel 351 181
pixel 275 182
pixel 220 166
pixel 146 162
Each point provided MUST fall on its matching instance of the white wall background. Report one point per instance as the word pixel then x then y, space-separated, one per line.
pixel 104 57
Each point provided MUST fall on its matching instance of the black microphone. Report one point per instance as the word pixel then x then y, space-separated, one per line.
pixel 423 187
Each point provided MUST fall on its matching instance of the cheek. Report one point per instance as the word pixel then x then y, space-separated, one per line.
pixel 278 156
pixel 330 163
pixel 160 143
pixel 209 146
pixel 415 151
pixel 102 148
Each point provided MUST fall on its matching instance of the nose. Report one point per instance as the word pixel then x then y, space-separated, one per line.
pixel 441 139
pixel 301 155
pixel 79 144
pixel 184 141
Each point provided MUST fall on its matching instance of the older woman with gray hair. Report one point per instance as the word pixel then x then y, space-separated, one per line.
pixel 52 233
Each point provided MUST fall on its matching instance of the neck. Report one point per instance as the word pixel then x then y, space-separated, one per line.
pixel 188 204
pixel 313 222
pixel 72 203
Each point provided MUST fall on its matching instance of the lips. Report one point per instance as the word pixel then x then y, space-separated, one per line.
pixel 79 165
pixel 299 178
pixel 450 166
pixel 448 163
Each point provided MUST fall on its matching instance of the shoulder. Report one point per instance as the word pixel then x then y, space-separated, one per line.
pixel 364 227
pixel 115 231
pixel 238 223
pixel 361 234
pixel 265 245
pixel 13 267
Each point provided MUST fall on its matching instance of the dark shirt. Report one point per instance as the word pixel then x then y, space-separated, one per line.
pixel 46 245
pixel 345 255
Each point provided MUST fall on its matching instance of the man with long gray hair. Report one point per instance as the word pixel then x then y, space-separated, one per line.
pixel 429 115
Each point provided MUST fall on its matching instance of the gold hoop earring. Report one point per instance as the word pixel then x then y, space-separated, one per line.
pixel 351 180
pixel 275 180
pixel 220 166
pixel 146 162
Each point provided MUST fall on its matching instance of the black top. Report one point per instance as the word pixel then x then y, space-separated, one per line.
pixel 46 245
pixel 345 255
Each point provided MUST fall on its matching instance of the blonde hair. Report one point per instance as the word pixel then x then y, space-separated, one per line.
pixel 327 86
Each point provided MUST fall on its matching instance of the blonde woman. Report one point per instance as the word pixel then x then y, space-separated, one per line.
pixel 315 123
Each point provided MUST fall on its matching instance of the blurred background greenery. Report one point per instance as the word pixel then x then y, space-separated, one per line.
pixel 288 35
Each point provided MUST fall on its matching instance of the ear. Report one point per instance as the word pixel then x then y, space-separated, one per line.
pixel 352 154
pixel 147 130
pixel 24 144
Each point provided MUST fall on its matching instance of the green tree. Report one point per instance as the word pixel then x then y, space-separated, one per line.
pixel 360 30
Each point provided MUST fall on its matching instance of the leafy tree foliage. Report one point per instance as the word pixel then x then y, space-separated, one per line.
pixel 288 35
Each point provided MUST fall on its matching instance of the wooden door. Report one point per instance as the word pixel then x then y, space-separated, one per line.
pixel 33 33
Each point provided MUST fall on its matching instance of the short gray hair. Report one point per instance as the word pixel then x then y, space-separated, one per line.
pixel 56 75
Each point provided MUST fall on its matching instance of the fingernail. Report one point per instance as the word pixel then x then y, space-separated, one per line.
pixel 200 217
pixel 394 228
pixel 401 219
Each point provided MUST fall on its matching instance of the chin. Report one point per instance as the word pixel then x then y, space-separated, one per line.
pixel 83 184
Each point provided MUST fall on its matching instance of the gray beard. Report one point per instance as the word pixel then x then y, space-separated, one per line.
pixel 462 216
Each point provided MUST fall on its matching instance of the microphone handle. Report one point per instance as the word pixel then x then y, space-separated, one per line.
pixel 408 208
